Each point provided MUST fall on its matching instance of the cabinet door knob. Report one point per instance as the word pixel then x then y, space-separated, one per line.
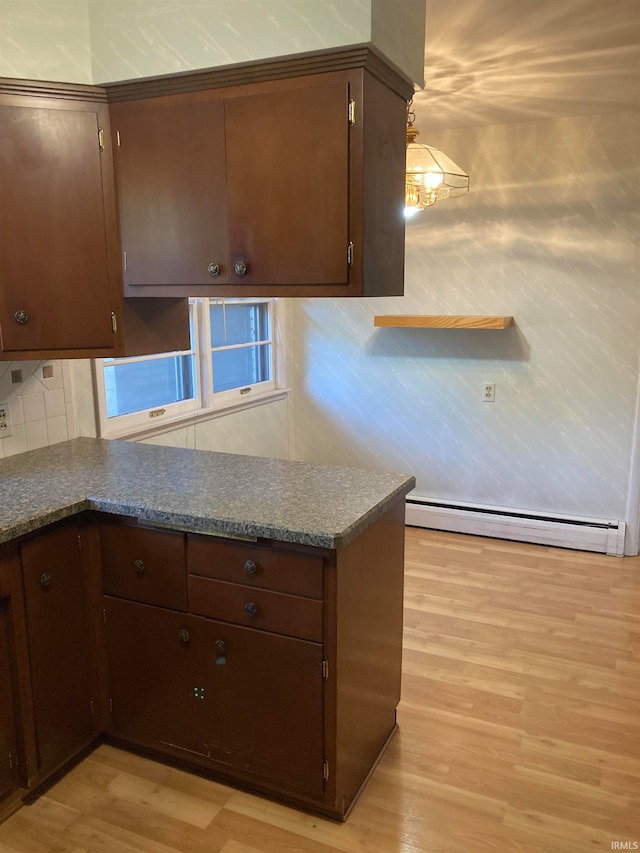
pixel 184 636
pixel 45 580
pixel 214 270
pixel 139 567
pixel 21 317
pixel 250 567
pixel 240 268
pixel 251 609
pixel 221 647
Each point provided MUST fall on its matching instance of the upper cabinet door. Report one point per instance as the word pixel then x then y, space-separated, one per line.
pixel 288 186
pixel 54 255
pixel 170 170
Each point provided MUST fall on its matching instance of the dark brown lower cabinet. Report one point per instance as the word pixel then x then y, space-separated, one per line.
pixel 60 646
pixel 8 743
pixel 269 665
pixel 244 702
pixel 281 673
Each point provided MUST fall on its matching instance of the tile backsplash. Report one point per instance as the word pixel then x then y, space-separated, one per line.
pixel 42 407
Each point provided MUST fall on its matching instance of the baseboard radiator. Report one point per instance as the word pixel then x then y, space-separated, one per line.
pixel 583 534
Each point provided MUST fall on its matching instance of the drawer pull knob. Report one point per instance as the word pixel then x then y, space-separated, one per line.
pixel 221 647
pixel 251 609
pixel 45 580
pixel 139 567
pixel 21 317
pixel 184 636
pixel 250 567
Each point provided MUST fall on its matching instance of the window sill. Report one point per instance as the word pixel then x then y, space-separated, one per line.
pixel 196 417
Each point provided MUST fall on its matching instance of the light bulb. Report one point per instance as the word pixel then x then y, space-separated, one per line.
pixel 433 179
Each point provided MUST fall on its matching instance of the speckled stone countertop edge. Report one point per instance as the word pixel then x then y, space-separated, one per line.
pixel 348 535
pixel 205 525
pixel 42 519
pixel 212 526
pixel 226 527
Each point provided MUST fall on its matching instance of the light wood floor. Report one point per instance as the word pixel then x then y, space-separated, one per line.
pixel 519 729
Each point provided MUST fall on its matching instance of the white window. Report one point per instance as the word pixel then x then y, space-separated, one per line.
pixel 235 357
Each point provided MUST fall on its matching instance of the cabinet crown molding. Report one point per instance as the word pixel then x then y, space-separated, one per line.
pixel 300 64
pixel 296 65
pixel 48 89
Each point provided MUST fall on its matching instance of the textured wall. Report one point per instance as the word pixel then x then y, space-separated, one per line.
pixel 45 40
pixel 549 235
pixel 97 41
pixel 503 61
pixel 397 29
pixel 141 38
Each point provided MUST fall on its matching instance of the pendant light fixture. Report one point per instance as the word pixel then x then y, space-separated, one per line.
pixel 430 174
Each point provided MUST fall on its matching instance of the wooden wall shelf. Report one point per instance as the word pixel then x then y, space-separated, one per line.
pixel 442 321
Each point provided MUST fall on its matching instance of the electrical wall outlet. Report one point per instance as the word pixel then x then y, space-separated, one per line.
pixel 5 420
pixel 488 392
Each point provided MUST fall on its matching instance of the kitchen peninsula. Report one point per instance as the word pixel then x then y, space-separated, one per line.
pixel 239 616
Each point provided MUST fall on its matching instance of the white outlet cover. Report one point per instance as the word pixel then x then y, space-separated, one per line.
pixel 5 420
pixel 489 392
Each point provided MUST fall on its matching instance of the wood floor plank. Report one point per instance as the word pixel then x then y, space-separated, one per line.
pixel 519 729
pixel 235 847
pixel 193 810
pixel 38 828
pixel 100 836
pixel 154 771
pixel 255 822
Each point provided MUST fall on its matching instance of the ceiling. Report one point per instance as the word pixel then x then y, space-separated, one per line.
pixel 500 61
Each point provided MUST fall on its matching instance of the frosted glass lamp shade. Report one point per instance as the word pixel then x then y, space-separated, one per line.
pixel 430 176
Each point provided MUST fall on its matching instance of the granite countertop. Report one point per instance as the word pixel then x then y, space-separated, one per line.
pixel 197 490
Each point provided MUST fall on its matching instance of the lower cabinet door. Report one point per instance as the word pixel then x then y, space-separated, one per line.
pixel 8 764
pixel 60 650
pixel 267 709
pixel 247 701
pixel 153 675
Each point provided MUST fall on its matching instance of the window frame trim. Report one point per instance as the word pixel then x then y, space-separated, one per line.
pixel 207 405
pixel 232 395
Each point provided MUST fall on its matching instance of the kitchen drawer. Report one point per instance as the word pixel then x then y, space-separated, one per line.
pixel 255 565
pixel 257 608
pixel 144 565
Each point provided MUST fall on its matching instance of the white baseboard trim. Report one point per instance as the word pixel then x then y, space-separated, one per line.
pixel 583 534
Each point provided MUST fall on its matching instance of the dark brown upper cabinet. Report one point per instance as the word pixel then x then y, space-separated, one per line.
pixel 263 180
pixel 60 277
pixel 58 261
pixel 276 178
